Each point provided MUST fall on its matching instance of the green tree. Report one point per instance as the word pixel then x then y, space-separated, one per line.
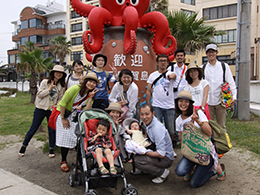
pixel 191 33
pixel 159 5
pixel 33 62
pixel 60 47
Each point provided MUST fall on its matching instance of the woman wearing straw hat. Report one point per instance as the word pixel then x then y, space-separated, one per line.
pixel 50 92
pixel 186 167
pixel 74 98
pixel 114 110
pixel 198 88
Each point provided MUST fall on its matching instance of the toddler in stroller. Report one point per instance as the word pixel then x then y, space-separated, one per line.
pixel 91 146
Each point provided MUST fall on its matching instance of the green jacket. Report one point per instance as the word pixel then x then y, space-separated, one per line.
pixel 69 97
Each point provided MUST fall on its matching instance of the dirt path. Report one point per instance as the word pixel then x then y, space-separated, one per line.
pixel 243 173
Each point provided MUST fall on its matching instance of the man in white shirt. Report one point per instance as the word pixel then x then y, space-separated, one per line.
pixel 179 69
pixel 213 72
pixel 160 86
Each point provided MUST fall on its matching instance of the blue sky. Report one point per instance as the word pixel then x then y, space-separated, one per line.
pixel 10 11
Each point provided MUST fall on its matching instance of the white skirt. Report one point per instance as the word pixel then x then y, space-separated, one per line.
pixel 65 137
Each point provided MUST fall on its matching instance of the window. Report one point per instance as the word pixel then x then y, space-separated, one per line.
pixel 24 24
pixel 36 39
pixel 73 14
pixel 190 2
pixel 230 36
pixel 17 59
pixel 12 59
pixel 77 41
pixel 45 54
pixel 225 59
pixel 220 12
pixel 34 22
pixel 188 12
pixel 23 40
pixel 77 55
pixel 76 27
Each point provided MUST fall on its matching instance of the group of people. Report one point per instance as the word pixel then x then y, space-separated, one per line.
pixel 176 95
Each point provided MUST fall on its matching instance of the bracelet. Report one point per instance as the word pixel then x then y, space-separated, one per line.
pixel 201 124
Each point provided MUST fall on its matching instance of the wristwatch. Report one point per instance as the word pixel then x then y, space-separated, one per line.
pixel 202 108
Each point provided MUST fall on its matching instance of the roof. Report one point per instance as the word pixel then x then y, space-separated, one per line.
pixel 38 11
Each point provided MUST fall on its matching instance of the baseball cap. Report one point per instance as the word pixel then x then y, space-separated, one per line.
pixel 211 46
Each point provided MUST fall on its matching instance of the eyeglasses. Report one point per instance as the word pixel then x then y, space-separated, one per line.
pixel 98 60
pixel 163 61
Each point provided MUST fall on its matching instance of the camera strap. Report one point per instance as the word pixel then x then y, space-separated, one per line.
pixel 183 71
pixel 157 79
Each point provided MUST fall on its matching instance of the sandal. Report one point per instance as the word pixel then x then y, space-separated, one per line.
pixel 113 170
pixel 220 178
pixel 103 170
pixel 187 177
pixel 64 166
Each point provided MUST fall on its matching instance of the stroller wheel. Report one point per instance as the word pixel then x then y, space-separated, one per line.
pixel 130 190
pixel 71 180
pixel 79 179
pixel 91 192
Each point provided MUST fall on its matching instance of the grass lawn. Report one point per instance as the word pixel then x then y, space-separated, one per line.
pixel 16 118
pixel 16 114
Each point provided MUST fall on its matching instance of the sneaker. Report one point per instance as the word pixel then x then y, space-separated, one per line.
pixel 22 151
pixel 51 153
pixel 161 178
pixel 174 154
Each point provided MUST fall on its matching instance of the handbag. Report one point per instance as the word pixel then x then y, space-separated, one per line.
pixel 125 108
pixel 226 95
pixel 53 118
pixel 196 145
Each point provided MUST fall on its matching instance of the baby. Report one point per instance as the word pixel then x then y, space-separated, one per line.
pixel 100 144
pixel 138 143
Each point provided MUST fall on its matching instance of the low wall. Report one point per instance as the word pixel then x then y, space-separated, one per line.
pixel 255 91
pixel 21 86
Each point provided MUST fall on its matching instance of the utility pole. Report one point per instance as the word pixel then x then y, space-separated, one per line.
pixel 243 58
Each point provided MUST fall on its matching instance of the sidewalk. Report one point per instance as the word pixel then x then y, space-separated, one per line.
pixel 11 184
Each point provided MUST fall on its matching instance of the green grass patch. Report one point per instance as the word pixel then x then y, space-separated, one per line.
pixel 245 134
pixel 16 115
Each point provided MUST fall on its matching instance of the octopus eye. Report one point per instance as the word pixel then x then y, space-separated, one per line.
pixel 120 2
pixel 134 2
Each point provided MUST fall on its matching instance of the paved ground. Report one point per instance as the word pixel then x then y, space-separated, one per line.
pixel 36 171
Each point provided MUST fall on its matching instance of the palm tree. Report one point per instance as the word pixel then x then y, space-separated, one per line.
pixel 192 34
pixel 29 46
pixel 60 47
pixel 158 5
pixel 33 62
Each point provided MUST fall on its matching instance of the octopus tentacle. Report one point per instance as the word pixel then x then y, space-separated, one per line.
pixel 98 17
pixel 130 19
pixel 81 8
pixel 154 21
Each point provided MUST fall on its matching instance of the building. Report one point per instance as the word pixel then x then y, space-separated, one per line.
pixel 37 24
pixel 76 25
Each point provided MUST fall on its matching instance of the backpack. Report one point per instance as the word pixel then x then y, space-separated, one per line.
pixel 219 138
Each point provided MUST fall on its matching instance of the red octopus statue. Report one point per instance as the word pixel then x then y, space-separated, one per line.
pixel 131 15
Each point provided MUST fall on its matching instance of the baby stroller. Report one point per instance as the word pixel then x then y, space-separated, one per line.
pixel 86 167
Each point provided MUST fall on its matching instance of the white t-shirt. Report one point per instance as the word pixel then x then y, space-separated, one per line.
pixel 197 92
pixel 180 122
pixel 163 96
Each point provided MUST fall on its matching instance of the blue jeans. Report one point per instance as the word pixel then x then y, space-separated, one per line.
pixel 39 115
pixel 169 118
pixel 200 175
pixel 100 103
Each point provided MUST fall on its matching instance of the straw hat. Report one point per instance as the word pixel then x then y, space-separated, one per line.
pixel 184 95
pixel 128 121
pixel 114 106
pixel 192 65
pixel 58 68
pixel 99 55
pixel 91 75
